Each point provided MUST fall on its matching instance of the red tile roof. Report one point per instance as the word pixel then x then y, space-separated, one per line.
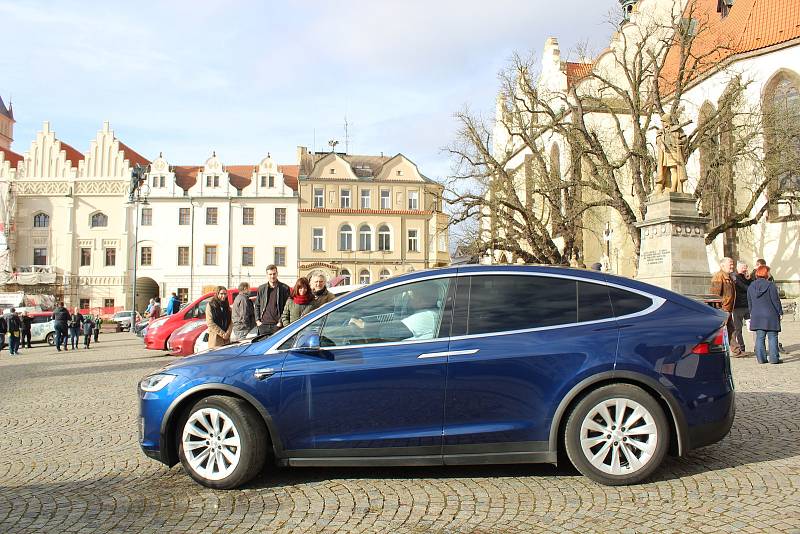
pixel 290 175
pixel 577 71
pixel 73 155
pixel 10 155
pixel 240 175
pixel 186 175
pixel 133 157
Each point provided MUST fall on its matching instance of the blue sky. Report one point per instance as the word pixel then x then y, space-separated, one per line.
pixel 247 78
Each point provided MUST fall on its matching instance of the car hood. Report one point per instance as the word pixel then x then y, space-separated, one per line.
pixel 207 357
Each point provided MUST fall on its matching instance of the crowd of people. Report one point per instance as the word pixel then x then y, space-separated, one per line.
pixel 276 306
pixel 750 295
pixel 70 326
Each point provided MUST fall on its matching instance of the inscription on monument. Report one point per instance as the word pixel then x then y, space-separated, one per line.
pixel 655 257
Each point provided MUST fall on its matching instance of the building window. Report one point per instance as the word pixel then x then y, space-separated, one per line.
pixel 86 257
pixel 108 303
pixel 41 220
pixel 319 197
pixel 280 216
pixel 386 199
pixel 333 171
pixel 210 255
pixel 83 304
pixel 238 192
pixel 413 200
pixel 344 199
pixel 40 256
pixel 183 216
pixel 385 274
pixel 271 181
pixel 183 294
pixel 99 220
pixel 365 199
pixel 317 239
pixel 384 238
pixel 248 216
pixel 147 217
pixel 363 277
pixel 146 256
pixel 364 237
pixel 263 181
pixel 413 240
pixel 345 274
pixel 442 239
pixel 280 256
pixel 111 257
pixel 346 238
pixel 212 181
pixel 159 181
pixel 248 256
pixel 399 172
pixel 211 215
pixel 183 256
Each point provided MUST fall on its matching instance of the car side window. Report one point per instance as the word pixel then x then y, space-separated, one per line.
pixel 407 312
pixel 311 328
pixel 594 302
pixel 499 303
pixel 625 302
pixel 199 310
pixel 40 319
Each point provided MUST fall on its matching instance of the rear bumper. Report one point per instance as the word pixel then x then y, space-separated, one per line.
pixel 155 454
pixel 709 433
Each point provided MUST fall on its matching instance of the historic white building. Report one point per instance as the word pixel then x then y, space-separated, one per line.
pixel 765 52
pixel 71 231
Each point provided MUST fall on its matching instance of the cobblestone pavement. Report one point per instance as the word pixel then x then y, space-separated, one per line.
pixel 70 462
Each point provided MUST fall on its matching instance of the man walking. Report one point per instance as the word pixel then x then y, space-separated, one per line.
pixel 270 300
pixel 320 291
pixel 75 323
pixel 741 279
pixel 26 320
pixel 97 322
pixel 3 331
pixel 61 319
pixel 722 286
pixel 244 315
pixel 14 332
pixel 173 305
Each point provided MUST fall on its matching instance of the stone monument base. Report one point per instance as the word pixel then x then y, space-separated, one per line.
pixel 673 250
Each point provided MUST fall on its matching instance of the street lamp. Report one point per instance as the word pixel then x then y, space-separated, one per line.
pixel 139 191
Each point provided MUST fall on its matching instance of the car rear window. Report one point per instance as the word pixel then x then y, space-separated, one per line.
pixel 507 302
pixel 594 302
pixel 625 302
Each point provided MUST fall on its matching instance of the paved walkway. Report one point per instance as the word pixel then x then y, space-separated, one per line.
pixel 70 462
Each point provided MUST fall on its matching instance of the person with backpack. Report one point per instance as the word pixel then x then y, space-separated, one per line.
pixel 88 327
pixel 75 323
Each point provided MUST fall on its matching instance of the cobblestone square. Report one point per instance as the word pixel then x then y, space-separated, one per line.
pixel 71 463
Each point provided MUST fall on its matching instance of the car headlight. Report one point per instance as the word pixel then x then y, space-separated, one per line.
pixel 155 382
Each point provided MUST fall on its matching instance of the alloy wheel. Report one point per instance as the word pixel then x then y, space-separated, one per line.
pixel 211 443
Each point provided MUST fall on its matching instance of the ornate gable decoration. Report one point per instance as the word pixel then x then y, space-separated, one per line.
pixel 105 158
pixel 47 158
pixel 332 167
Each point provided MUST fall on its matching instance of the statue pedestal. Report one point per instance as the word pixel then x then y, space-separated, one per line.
pixel 673 250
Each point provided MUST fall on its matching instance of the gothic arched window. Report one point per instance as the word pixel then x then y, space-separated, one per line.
pixel 41 220
pixel 781 109
pixel 99 220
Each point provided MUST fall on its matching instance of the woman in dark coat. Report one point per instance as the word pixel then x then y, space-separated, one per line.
pixel 218 319
pixel 765 315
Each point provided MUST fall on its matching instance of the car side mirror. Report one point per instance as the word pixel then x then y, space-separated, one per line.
pixel 308 342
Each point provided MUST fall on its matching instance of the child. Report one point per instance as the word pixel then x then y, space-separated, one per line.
pixel 88 326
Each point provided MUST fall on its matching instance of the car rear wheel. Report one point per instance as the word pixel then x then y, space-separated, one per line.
pixel 617 435
pixel 222 442
pixel 51 339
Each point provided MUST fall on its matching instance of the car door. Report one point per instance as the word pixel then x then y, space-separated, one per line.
pixel 376 384
pixel 518 340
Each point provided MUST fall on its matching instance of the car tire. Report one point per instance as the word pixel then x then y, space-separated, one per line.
pixel 222 442
pixel 51 339
pixel 615 449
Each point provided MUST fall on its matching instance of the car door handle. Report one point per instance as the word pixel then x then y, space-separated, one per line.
pixel 263 374
pixel 448 353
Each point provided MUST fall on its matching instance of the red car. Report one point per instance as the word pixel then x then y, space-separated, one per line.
pixel 182 341
pixel 158 331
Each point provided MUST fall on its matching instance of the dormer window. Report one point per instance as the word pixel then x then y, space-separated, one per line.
pixel 399 172
pixel 271 181
pixel 212 181
pixel 263 181
pixel 158 181
pixel 724 7
pixel 333 171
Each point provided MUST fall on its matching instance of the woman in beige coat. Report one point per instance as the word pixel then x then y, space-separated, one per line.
pixel 218 319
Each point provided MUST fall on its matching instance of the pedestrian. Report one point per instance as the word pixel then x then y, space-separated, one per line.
pixel 97 322
pixel 270 301
pixel 320 292
pixel 88 327
pixel 173 305
pixel 14 326
pixel 299 303
pixel 149 307
pixel 765 315
pixel 722 286
pixel 218 319
pixel 243 313
pixel 741 279
pixel 760 262
pixel 3 331
pixel 75 323
pixel 155 311
pixel 26 320
pixel 60 320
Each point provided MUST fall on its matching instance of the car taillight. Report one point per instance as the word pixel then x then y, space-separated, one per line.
pixel 716 343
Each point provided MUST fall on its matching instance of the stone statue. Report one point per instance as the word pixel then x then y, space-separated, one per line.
pixel 137 175
pixel 671 146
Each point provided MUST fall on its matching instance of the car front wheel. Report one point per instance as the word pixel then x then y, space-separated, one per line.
pixel 222 442
pixel 51 339
pixel 617 435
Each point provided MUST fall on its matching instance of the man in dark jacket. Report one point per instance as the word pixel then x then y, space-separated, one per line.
pixel 14 332
pixel 243 313
pixel 27 320
pixel 270 300
pixel 61 319
pixel 3 331
pixel 320 292
pixel 741 280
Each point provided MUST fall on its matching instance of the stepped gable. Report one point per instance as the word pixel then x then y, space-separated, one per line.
pixel 73 156
pixel 133 157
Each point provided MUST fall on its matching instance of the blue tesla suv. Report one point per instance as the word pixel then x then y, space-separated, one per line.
pixel 454 366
